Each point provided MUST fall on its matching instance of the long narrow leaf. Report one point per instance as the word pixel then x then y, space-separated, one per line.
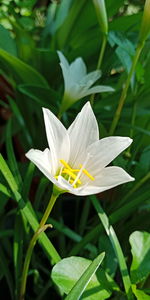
pixel 28 212
pixel 81 284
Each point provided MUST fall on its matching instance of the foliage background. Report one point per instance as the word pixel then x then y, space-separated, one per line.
pixel 30 34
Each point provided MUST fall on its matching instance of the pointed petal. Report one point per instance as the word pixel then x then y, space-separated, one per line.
pixel 82 132
pixel 58 139
pixel 98 89
pixel 108 178
pixel 65 69
pixel 90 78
pixel 42 159
pixel 104 151
pixel 77 70
pixel 63 59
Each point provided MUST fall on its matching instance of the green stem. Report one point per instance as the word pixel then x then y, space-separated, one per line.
pixel 100 59
pixel 125 89
pixel 42 227
pixel 116 245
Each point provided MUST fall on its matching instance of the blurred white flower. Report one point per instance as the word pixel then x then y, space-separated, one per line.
pixel 76 159
pixel 77 82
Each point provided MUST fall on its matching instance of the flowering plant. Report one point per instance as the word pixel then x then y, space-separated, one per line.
pixel 76 159
pixel 78 84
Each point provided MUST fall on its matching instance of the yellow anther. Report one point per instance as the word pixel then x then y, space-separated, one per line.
pixel 70 173
pixel 65 164
pixel 87 173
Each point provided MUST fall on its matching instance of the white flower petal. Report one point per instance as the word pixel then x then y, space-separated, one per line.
pixel 65 70
pixel 90 78
pixel 104 151
pixel 108 178
pixel 42 159
pixel 98 89
pixel 65 185
pixel 82 132
pixel 77 70
pixel 63 59
pixel 58 139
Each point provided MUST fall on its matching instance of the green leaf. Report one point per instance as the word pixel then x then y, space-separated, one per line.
pixel 6 41
pixel 28 212
pixel 110 262
pixel 18 250
pixel 73 275
pixel 20 119
pixel 140 295
pixel 22 71
pixel 45 96
pixel 5 269
pixel 10 154
pixel 140 248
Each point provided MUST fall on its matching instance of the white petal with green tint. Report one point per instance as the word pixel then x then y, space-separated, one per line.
pixel 77 70
pixel 78 82
pixel 90 78
pixel 98 89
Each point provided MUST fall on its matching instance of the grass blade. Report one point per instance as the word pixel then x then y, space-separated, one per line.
pixel 28 212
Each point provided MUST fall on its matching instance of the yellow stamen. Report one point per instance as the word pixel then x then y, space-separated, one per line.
pixel 69 172
pixel 65 164
pixel 87 173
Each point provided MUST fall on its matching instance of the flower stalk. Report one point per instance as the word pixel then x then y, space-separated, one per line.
pixel 125 89
pixel 100 59
pixel 101 13
pixel 42 227
pixel 145 26
pixel 143 34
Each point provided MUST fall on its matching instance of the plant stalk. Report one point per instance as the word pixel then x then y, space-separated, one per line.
pixel 42 227
pixel 125 89
pixel 100 59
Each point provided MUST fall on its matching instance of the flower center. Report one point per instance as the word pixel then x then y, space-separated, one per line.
pixel 72 175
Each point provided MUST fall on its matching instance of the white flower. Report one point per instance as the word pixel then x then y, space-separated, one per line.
pixel 76 159
pixel 77 82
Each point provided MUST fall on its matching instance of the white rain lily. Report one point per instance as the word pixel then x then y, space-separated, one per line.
pixel 76 159
pixel 77 82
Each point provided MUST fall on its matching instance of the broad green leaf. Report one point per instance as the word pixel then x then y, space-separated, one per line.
pixel 140 248
pixel 7 43
pixel 22 71
pixel 74 274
